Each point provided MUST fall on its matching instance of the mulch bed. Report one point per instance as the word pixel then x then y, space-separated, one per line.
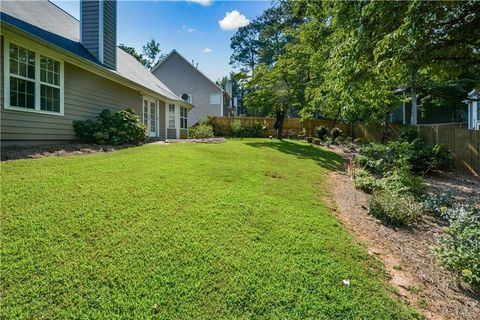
pixel 71 149
pixel 408 253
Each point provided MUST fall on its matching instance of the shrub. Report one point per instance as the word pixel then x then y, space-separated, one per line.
pixel 119 127
pixel 365 181
pixel 322 132
pixel 85 130
pixel 236 128
pixel 438 204
pixel 442 158
pixel 409 135
pixel 394 208
pixel 403 182
pixel 459 248
pixel 335 133
pixel 419 157
pixel 316 141
pixel 201 130
pixel 309 139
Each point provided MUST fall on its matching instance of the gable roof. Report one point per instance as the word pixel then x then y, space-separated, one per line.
pixel 175 52
pixel 46 21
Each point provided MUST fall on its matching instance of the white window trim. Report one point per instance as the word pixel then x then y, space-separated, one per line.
pixel 215 94
pixel 6 78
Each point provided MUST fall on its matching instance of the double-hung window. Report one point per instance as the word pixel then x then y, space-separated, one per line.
pixel 171 116
pixel 33 81
pixel 215 98
pixel 183 117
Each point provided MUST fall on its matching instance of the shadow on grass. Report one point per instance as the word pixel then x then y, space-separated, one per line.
pixel 326 159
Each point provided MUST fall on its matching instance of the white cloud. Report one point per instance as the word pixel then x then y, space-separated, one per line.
pixel 233 20
pixel 206 50
pixel 189 29
pixel 204 3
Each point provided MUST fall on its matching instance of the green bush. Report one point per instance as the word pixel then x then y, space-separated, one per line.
pixel 201 130
pixel 459 248
pixel 409 135
pixel 309 139
pixel 394 208
pixel 119 127
pixel 438 204
pixel 335 133
pixel 419 157
pixel 366 181
pixel 442 158
pixel 236 128
pixel 322 132
pixel 403 182
pixel 316 141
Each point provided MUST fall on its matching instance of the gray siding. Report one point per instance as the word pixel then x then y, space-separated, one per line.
pixel 86 95
pixel 110 34
pixel 90 27
pixel 171 133
pixel 89 13
pixel 181 77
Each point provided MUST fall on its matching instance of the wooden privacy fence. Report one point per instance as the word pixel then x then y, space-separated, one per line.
pixel 222 125
pixel 465 144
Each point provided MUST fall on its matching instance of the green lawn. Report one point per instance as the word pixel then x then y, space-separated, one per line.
pixel 237 230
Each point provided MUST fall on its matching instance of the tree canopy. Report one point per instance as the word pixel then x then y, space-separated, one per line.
pixel 349 60
pixel 150 56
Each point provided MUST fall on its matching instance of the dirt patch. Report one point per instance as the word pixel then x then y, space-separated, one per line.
pixel 464 189
pixel 72 149
pixel 408 257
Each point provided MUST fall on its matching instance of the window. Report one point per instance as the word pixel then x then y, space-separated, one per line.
pixel 183 117
pixel 33 81
pixel 171 116
pixel 214 98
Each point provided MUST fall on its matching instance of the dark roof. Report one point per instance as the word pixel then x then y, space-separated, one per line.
pixel 48 22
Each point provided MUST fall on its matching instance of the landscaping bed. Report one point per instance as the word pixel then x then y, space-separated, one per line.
pixel 408 256
pixel 418 248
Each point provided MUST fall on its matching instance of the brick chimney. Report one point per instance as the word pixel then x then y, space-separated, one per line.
pixel 98 30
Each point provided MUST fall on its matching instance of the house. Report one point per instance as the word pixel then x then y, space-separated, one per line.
pixel 56 69
pixel 408 115
pixel 186 81
pixel 473 110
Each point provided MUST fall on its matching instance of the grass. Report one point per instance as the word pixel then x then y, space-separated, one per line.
pixel 236 230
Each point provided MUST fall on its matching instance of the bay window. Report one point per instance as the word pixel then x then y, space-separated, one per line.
pixel 33 81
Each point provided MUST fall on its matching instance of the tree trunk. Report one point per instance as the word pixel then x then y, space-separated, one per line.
pixel 336 118
pixel 280 118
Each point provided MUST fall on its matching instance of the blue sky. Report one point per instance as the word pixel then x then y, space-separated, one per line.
pixel 191 27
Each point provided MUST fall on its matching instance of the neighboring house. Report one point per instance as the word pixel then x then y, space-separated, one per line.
pixel 56 69
pixel 433 115
pixel 186 81
pixel 473 110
